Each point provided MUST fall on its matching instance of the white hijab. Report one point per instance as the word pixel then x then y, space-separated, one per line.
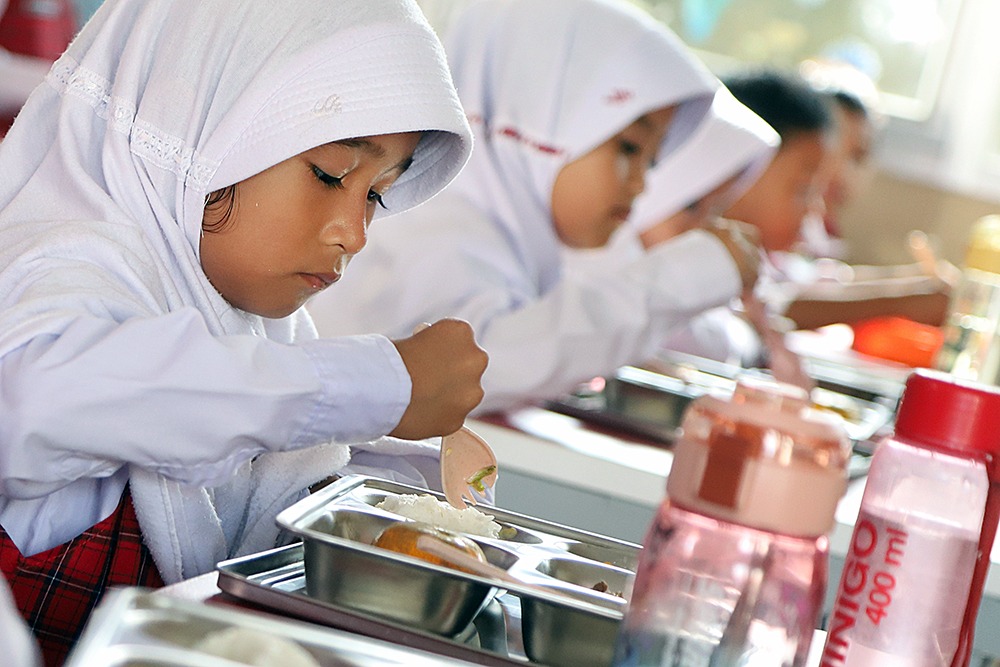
pixel 732 141
pixel 538 95
pixel 103 179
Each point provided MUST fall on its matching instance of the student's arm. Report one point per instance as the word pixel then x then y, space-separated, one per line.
pixel 591 325
pixel 918 298
pixel 164 394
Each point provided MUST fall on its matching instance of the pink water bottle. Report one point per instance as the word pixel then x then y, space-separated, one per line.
pixel 914 573
pixel 734 567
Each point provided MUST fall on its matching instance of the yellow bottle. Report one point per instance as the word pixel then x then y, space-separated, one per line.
pixel 971 347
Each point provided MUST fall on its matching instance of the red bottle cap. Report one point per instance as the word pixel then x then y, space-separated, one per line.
pixel 943 412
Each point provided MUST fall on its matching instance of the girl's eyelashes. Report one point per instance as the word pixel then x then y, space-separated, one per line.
pixel 327 179
pixel 376 197
pixel 630 147
pixel 338 183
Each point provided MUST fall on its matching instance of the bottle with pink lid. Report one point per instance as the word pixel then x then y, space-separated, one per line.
pixel 734 566
pixel 914 573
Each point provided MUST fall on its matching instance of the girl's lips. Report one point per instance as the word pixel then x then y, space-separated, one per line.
pixel 320 281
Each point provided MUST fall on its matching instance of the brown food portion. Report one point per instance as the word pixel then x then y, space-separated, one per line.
pixel 402 538
pixel 602 587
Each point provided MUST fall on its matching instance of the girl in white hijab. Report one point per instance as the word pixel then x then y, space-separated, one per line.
pixel 568 100
pixel 153 351
pixel 720 161
pixel 691 186
pixel 689 190
pixel 692 189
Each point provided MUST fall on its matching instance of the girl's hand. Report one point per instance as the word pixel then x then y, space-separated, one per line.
pixel 741 240
pixel 446 367
pixel 785 365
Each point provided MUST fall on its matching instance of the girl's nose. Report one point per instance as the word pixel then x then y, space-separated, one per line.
pixel 348 228
pixel 636 183
pixel 816 205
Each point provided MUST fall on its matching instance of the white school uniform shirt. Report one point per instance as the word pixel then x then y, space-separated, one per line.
pixel 732 142
pixel 543 82
pixel 119 362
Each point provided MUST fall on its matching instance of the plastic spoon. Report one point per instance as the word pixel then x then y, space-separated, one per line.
pixel 468 465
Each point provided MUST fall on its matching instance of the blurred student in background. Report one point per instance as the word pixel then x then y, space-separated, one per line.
pixel 820 288
pixel 570 102
pixel 853 99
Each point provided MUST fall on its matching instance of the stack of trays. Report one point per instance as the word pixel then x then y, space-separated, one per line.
pixel 564 620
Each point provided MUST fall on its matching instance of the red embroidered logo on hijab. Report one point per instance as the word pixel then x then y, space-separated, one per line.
pixel 512 133
pixel 620 96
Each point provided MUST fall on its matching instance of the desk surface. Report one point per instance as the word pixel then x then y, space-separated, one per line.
pixel 559 453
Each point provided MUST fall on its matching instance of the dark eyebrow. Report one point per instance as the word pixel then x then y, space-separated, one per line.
pixel 372 149
pixel 364 144
pixel 644 120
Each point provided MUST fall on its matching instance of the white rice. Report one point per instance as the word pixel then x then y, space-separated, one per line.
pixel 438 513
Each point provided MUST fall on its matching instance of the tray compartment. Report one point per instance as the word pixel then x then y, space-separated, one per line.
pixel 610 553
pixel 561 635
pixel 588 574
pixel 371 497
pixel 343 567
pixel 652 404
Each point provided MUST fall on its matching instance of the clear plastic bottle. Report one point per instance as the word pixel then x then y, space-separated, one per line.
pixel 971 346
pixel 914 573
pixel 734 566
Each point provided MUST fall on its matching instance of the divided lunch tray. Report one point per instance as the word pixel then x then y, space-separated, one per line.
pixel 276 581
pixel 563 620
pixel 134 627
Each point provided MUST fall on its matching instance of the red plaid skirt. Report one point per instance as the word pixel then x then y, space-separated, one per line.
pixel 57 590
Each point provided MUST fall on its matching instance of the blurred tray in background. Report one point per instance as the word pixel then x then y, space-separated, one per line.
pixel 650 402
pixel 133 627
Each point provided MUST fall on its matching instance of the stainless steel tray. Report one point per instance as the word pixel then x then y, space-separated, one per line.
pixel 876 383
pixel 565 621
pixel 651 404
pixel 134 627
pixel 276 580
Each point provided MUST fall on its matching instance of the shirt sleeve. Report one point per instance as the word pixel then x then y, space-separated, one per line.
pixel 165 394
pixel 590 324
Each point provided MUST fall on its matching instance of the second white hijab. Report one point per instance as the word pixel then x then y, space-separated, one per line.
pixel 539 95
pixel 733 141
